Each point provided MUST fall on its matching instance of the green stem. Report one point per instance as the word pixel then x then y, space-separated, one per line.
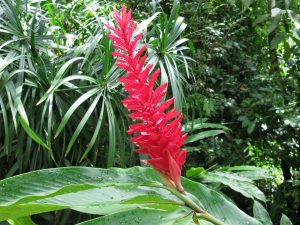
pixel 190 203
pixel 210 218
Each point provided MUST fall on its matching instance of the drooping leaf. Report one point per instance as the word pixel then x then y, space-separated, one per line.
pixel 202 135
pixel 273 23
pixel 261 213
pixel 250 172
pixel 285 220
pixel 236 182
pixel 32 134
pixel 277 39
pixel 215 203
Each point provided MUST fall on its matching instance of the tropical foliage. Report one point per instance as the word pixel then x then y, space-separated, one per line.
pixel 233 70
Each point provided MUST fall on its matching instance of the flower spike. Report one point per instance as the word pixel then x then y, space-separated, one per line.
pixel 158 130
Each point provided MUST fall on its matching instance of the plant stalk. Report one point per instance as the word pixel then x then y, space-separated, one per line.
pixel 191 204
pixel 210 218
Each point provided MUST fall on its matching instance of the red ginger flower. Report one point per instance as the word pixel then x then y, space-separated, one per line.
pixel 159 133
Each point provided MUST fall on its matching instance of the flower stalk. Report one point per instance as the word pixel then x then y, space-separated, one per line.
pixel 159 132
pixel 157 129
pixel 201 213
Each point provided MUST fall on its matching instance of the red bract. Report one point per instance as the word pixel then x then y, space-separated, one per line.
pixel 158 134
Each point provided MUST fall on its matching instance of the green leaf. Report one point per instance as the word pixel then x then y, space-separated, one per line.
pixel 107 58
pixel 215 203
pixel 260 19
pixel 274 22
pixel 202 135
pixel 287 51
pixel 250 172
pixel 79 188
pixel 277 39
pixel 237 183
pixel 285 220
pixel 66 67
pixel 250 125
pixel 246 4
pixel 277 11
pixel 22 221
pixel 197 124
pixel 57 83
pixel 144 216
pixel 32 134
pixel 112 133
pixel 142 26
pixel 83 122
pixel 195 172
pixel 8 60
pixel 75 105
pixel 5 124
pixel 96 133
pixel 106 191
pixel 295 18
pixel 261 213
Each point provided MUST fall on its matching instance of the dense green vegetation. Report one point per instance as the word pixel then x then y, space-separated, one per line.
pixel 232 66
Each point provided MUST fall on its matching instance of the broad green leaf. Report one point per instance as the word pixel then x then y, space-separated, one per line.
pixel 198 124
pixel 238 183
pixel 195 172
pixel 148 199
pixel 261 213
pixel 250 172
pixel 22 221
pixel 144 216
pixel 285 220
pixel 217 204
pixel 114 198
pixel 106 191
pixel 202 135
pixel 241 168
pixel 55 189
